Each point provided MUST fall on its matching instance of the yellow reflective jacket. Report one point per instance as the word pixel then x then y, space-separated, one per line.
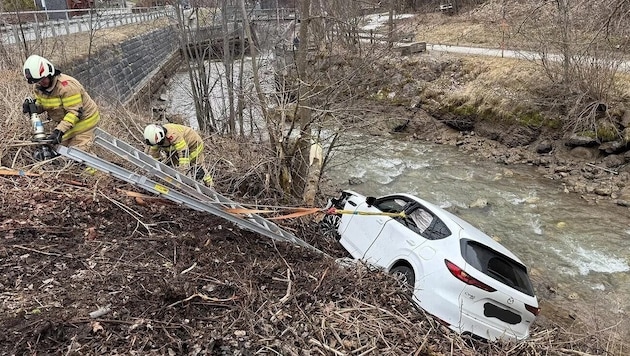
pixel 182 140
pixel 68 105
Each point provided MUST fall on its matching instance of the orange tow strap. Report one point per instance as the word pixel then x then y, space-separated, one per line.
pixel 306 211
pixel 12 172
pixel 297 212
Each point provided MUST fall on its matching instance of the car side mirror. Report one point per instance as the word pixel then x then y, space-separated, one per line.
pixel 370 200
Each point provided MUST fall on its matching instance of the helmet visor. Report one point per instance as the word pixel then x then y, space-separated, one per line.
pixel 148 143
pixel 29 77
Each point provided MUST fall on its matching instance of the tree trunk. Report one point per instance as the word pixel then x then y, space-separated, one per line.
pixel 228 64
pixel 300 171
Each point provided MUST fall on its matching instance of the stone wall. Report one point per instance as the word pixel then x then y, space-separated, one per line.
pixel 131 71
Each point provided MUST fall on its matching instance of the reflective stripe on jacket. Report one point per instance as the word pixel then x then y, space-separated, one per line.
pixel 68 105
pixel 183 140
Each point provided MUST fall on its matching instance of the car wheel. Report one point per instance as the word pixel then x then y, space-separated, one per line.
pixel 328 226
pixel 404 274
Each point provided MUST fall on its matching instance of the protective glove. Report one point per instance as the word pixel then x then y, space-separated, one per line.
pixel 56 136
pixel 183 169
pixel 25 106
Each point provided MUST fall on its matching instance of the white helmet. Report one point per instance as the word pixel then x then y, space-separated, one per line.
pixel 36 68
pixel 154 134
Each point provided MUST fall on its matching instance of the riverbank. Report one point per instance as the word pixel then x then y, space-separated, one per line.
pixel 430 91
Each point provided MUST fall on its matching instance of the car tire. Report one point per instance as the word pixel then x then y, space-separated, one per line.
pixel 328 226
pixel 404 274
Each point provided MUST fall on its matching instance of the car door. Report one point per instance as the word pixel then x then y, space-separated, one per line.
pixel 395 241
pixel 396 237
pixel 361 230
pixel 402 235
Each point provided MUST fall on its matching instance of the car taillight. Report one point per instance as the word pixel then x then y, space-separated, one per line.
pixel 533 310
pixel 466 278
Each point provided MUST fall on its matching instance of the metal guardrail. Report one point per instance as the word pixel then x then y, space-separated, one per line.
pixel 35 25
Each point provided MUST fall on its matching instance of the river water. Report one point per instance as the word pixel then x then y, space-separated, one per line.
pixel 578 253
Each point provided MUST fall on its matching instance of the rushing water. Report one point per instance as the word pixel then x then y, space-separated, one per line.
pixel 578 253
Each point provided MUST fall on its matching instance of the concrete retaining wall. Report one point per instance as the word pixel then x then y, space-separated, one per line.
pixel 129 72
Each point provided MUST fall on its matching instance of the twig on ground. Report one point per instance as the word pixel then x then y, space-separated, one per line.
pixel 288 294
pixel 321 279
pixel 129 211
pixel 189 268
pixel 101 311
pixel 602 168
pixel 575 352
pixel 38 251
pixel 326 347
pixel 368 351
pixel 202 296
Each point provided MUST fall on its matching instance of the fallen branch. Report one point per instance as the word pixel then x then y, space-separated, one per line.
pixel 326 347
pixel 101 311
pixel 575 352
pixel 129 211
pixel 189 268
pixel 23 144
pixel 38 251
pixel 321 280
pixel 202 296
pixel 602 168
pixel 288 294
pixel 13 172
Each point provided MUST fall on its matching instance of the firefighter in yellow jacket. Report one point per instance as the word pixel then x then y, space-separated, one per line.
pixel 66 102
pixel 182 148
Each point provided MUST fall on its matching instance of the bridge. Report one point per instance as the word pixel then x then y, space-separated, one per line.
pixel 209 41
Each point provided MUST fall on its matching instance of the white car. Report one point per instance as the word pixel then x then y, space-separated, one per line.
pixel 458 274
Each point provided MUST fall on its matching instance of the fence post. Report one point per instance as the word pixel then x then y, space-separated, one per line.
pixel 36 29
pixel 16 34
pixel 67 24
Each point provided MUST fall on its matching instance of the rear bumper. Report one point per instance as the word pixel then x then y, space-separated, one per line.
pixel 462 322
pixel 481 328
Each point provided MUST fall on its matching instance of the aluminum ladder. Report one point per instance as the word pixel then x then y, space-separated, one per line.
pixel 178 188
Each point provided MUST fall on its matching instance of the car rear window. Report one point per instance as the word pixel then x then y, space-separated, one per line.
pixel 497 266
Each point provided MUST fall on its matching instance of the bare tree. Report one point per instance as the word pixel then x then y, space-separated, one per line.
pixel 581 45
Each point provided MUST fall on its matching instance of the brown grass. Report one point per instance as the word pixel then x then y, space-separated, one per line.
pixel 494 82
pixel 509 88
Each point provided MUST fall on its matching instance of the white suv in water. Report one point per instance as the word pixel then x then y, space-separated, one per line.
pixel 458 274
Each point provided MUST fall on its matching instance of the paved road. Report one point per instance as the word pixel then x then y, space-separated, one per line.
pixel 107 18
pixel 506 53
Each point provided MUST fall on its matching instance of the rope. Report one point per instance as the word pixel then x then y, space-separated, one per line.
pixel 307 211
pixel 293 212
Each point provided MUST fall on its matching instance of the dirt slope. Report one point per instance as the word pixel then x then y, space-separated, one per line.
pixel 179 282
pixel 193 285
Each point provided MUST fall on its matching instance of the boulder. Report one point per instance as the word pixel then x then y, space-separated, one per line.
pixel 585 153
pixel 581 141
pixel 544 146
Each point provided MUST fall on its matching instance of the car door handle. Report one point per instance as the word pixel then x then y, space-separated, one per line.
pixel 411 242
pixel 380 221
